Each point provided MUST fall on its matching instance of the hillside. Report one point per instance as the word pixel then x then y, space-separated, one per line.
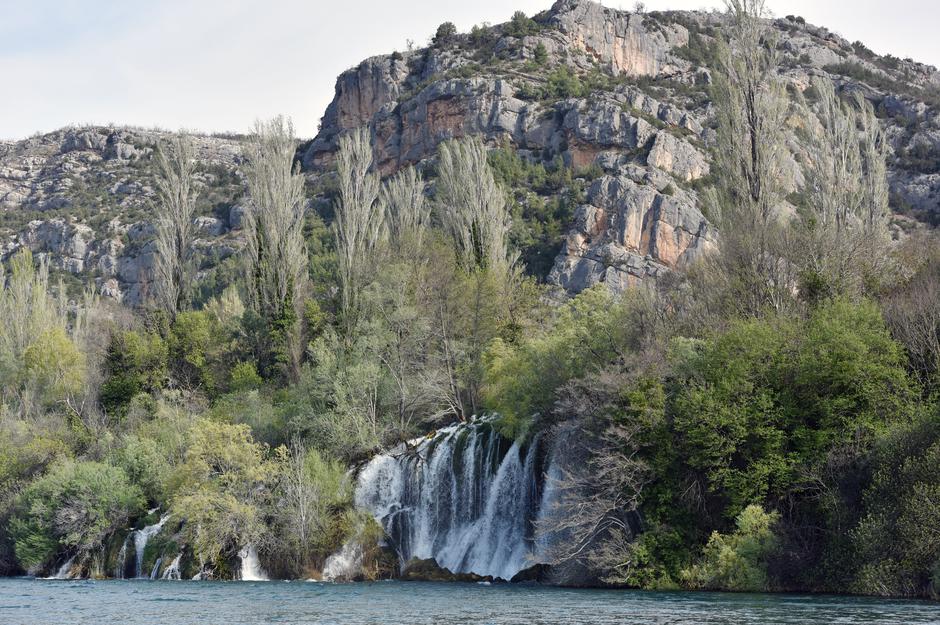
pixel 326 361
pixel 603 116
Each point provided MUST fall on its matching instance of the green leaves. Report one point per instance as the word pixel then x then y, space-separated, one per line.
pixel 771 395
pixel 737 562
pixel 75 507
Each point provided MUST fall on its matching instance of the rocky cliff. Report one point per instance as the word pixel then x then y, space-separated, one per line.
pixel 619 98
pixel 626 93
pixel 82 198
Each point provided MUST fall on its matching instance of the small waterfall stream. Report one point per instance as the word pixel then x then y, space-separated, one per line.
pixel 345 564
pixel 251 570
pixel 64 571
pixel 122 559
pixel 141 538
pixel 172 570
pixel 466 497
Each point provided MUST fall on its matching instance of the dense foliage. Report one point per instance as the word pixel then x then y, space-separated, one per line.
pixel 765 419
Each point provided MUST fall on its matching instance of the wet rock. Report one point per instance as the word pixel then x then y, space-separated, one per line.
pixel 429 571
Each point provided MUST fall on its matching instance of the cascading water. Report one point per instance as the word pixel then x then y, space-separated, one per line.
pixel 345 564
pixel 251 570
pixel 64 571
pixel 141 537
pixel 172 571
pixel 122 560
pixel 466 497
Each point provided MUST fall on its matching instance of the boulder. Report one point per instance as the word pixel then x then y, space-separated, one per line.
pixel 429 571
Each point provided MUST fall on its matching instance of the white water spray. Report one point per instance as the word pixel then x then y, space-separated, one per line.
pixel 141 538
pixel 251 570
pixel 65 571
pixel 172 571
pixel 345 564
pixel 467 498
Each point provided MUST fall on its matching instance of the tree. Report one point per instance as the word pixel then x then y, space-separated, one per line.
pixel 312 489
pixel 751 108
pixel 913 314
pixel 407 210
pixel 897 541
pixel 602 470
pixel 222 489
pixel 737 562
pixel 175 209
pixel 73 509
pixel 844 236
pixel 772 395
pixel 275 250
pixel 521 25
pixel 445 34
pixel 472 206
pixel 41 364
pixel 360 218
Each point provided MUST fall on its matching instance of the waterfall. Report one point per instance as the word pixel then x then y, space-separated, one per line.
pixel 65 571
pixel 251 568
pixel 344 564
pixel 122 560
pixel 172 571
pixel 141 537
pixel 466 497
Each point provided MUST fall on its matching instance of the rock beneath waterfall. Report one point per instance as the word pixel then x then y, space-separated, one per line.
pixel 535 573
pixel 428 570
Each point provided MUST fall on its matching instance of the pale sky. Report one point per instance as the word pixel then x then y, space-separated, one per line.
pixel 218 65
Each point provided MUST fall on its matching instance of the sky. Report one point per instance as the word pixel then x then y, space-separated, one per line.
pixel 219 65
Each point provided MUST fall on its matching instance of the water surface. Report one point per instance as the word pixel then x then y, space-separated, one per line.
pixel 40 602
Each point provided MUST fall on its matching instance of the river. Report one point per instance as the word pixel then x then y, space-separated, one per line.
pixel 40 602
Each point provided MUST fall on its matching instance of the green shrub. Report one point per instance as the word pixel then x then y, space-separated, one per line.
pixel 445 33
pixel 737 562
pixel 135 363
pixel 74 508
pixel 540 55
pixel 770 395
pixel 897 542
pixel 521 25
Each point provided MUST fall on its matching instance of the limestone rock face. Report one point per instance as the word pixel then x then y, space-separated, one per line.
pixel 650 130
pixel 677 157
pixel 621 98
pixel 618 39
pixel 629 232
pixel 83 199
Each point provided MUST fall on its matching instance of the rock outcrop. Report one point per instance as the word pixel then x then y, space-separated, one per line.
pixel 629 232
pixel 621 98
pixel 625 92
pixel 82 198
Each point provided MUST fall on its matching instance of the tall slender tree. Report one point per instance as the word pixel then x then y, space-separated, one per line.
pixel 276 252
pixel 360 218
pixel 844 234
pixel 472 205
pixel 177 192
pixel 407 210
pixel 751 109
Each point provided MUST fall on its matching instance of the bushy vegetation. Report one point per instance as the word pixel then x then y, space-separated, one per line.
pixel 765 419
pixel 239 417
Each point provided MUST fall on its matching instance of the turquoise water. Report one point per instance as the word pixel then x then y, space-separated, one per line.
pixel 39 602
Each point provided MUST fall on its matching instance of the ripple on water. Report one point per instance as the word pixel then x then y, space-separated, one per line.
pixel 397 603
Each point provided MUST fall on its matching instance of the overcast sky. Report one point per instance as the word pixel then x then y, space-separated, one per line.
pixel 217 65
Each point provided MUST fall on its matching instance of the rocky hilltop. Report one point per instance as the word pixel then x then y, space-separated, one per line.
pixel 620 99
pixel 626 94
pixel 82 198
